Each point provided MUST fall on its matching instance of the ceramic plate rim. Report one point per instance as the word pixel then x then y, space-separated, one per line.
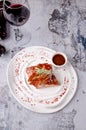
pixel 41 111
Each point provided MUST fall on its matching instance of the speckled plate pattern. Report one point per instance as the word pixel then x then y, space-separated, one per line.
pixel 44 100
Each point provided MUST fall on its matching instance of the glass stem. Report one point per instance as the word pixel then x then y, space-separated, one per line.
pixel 18 34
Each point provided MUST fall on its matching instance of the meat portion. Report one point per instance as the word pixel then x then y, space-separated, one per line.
pixel 41 75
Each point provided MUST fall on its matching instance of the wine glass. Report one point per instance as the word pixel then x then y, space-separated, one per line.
pixel 17 13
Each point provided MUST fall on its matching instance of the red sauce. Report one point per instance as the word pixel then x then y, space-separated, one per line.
pixel 58 59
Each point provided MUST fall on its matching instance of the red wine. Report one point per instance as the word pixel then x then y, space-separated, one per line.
pixel 16 14
pixel 4 26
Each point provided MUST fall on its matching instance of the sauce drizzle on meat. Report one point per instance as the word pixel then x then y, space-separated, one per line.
pixel 41 75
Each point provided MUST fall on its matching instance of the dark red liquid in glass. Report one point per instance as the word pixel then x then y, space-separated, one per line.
pixel 16 14
pixel 15 5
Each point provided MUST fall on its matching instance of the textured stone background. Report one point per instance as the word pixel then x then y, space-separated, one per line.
pixel 59 25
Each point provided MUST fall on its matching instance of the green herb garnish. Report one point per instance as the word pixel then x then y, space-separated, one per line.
pixel 42 70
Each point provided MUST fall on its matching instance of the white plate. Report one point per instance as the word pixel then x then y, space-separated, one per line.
pixel 46 100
